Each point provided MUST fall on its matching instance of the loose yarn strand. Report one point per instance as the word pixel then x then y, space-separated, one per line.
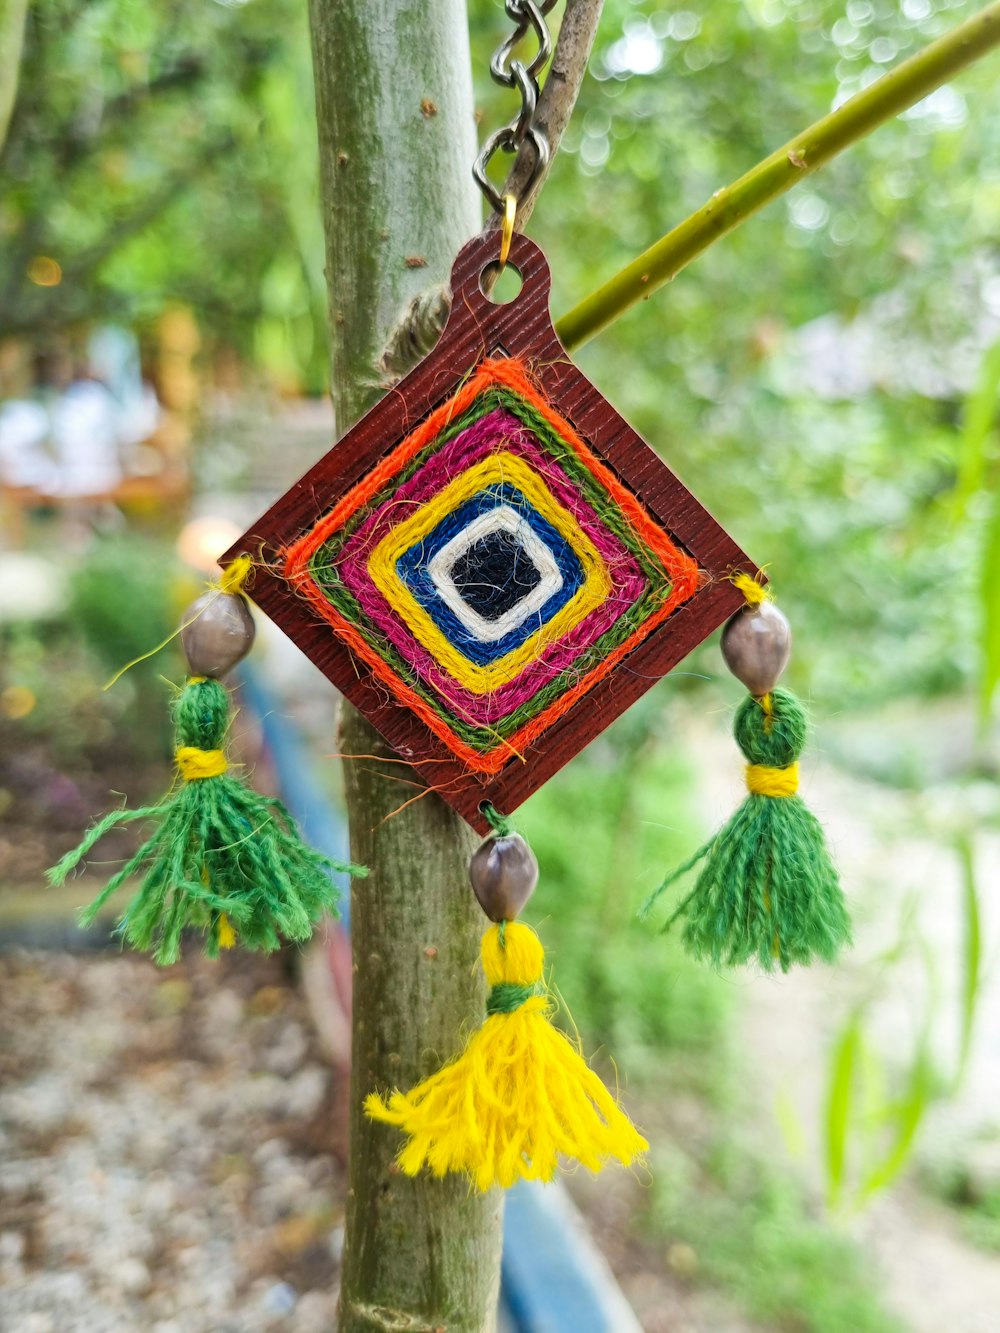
pixel 233 579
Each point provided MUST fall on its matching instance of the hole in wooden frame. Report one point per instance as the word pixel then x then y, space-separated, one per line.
pixel 501 286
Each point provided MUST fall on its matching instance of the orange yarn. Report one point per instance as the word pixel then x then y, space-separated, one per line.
pixel 511 374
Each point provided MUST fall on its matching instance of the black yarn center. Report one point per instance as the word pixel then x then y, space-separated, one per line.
pixel 494 574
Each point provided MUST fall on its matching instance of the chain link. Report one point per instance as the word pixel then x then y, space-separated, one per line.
pixel 511 73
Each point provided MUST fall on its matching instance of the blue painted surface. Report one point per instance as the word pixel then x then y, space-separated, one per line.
pixel 323 825
pixel 552 1278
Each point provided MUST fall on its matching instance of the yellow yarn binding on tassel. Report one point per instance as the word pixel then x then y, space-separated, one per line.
pixel 764 781
pixel 520 1096
pixel 753 591
pixel 195 764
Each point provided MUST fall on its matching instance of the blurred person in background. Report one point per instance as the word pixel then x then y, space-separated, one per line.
pixel 25 460
pixel 84 431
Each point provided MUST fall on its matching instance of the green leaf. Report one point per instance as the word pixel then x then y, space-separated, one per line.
pixel 906 1115
pixel 989 605
pixel 839 1105
pixel 971 962
pixel 979 418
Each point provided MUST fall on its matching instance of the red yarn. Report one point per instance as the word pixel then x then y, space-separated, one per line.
pixel 514 376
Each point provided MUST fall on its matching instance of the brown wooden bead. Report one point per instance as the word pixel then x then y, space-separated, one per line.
pixel 504 872
pixel 218 632
pixel 756 646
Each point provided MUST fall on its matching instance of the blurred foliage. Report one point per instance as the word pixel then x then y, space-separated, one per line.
pixel 51 678
pixel 123 607
pixel 878 1100
pixel 975 1197
pixel 121 600
pixel 737 1220
pixel 164 153
pixel 605 833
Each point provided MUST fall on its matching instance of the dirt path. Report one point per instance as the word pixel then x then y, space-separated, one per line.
pixel 165 1160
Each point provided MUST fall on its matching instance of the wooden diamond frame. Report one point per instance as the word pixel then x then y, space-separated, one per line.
pixel 476 331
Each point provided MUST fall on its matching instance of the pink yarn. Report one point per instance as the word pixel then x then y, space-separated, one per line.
pixel 497 430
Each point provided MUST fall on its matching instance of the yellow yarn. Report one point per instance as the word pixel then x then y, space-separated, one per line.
pixel 225 935
pixel 234 577
pixel 233 580
pixel 501 467
pixel 750 588
pixel 518 1098
pixel 764 781
pixel 195 764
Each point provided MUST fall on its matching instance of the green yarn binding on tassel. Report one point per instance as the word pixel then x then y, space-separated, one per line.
pixel 224 860
pixel 768 890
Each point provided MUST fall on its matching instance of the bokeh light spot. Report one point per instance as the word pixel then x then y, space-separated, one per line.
pixel 44 271
pixel 17 701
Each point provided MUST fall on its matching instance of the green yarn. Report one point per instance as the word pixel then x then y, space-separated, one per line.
pixel 500 824
pixel 324 570
pixel 768 890
pixel 222 857
pixel 506 996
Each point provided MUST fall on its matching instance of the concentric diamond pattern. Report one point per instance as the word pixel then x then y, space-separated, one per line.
pixel 496 573
pixel 491 564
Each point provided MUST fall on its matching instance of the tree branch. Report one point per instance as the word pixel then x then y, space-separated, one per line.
pixel 421 323
pixel 21 305
pixel 556 101
pixel 903 87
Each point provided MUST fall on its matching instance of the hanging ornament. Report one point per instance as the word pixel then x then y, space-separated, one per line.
pixel 767 891
pixel 521 1095
pixel 492 566
pixel 223 860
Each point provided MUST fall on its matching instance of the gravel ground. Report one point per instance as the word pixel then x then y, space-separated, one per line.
pixel 167 1160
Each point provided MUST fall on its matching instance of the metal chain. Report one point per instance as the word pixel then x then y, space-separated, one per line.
pixel 511 73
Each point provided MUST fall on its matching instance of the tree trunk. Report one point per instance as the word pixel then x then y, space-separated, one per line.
pixel 397 139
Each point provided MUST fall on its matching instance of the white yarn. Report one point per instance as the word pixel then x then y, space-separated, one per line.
pixel 502 519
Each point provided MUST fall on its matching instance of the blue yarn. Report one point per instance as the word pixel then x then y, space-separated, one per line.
pixel 412 568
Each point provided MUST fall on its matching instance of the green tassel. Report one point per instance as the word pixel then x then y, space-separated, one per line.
pixel 768 890
pixel 224 860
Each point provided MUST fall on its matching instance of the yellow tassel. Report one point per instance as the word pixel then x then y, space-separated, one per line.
pixel 519 1097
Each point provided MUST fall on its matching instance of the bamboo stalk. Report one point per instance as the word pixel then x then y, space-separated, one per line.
pixel 902 87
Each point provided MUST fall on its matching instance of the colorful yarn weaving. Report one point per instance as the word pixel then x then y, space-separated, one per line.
pixel 519 1097
pixel 491 569
pixel 223 860
pixel 768 890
